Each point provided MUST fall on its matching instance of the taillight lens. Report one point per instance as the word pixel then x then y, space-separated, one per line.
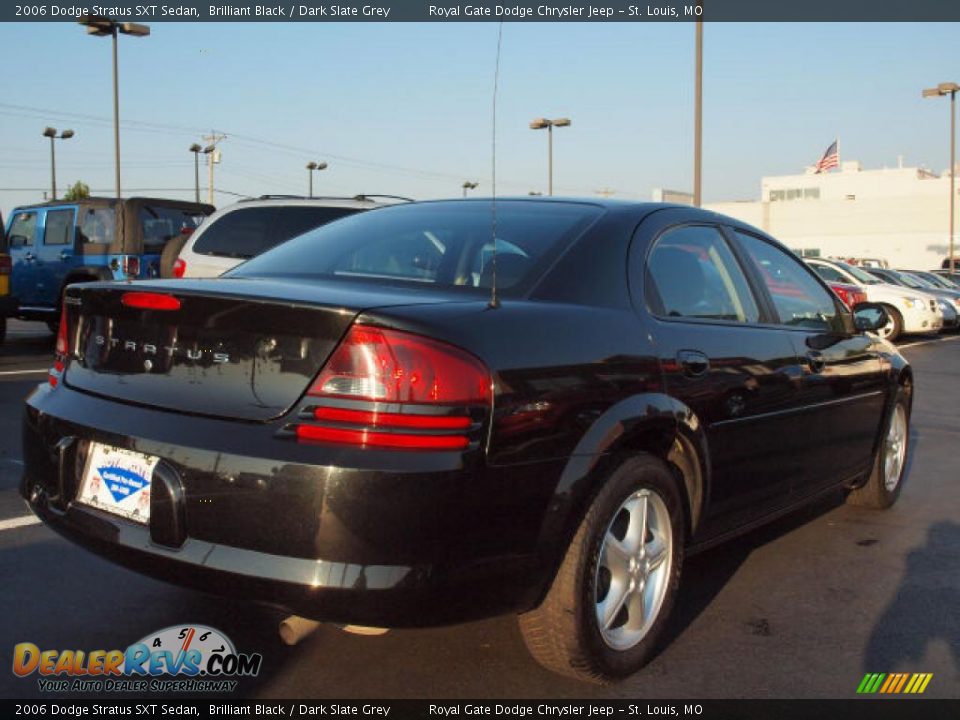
pixel 61 349
pixel 179 268
pixel 843 294
pixel 6 265
pixel 392 366
pixel 430 387
pixel 131 265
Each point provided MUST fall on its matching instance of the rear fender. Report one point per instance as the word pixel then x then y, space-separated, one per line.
pixel 654 423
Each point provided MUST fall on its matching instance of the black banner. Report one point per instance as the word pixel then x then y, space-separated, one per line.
pixel 854 709
pixel 485 11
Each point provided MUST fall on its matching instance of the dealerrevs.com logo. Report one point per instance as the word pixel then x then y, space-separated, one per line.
pixel 180 658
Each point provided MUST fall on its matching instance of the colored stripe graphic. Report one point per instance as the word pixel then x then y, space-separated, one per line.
pixel 894 683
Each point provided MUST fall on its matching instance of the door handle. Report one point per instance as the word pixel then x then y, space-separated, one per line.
pixel 693 362
pixel 816 361
pixel 29 257
pixel 64 255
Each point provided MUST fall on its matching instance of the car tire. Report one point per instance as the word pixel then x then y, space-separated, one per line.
pixel 170 253
pixel 886 478
pixel 894 327
pixel 565 633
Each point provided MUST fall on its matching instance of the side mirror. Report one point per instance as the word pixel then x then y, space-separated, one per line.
pixel 869 317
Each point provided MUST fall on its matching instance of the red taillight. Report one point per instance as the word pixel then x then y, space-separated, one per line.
pixel 392 366
pixel 179 268
pixel 6 265
pixel 430 385
pixel 61 349
pixel 131 265
pixel 150 301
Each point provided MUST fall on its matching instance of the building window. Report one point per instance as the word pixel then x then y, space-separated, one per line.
pixel 795 194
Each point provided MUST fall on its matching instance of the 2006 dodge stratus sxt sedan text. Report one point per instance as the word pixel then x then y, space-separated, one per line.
pixel 356 427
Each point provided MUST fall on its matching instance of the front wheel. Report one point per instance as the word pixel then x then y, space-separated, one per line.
pixel 894 327
pixel 610 599
pixel 886 479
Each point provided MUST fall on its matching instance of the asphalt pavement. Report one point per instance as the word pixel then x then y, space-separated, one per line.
pixel 802 608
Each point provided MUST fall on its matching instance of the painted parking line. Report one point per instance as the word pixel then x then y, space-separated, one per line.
pixel 928 342
pixel 18 522
pixel 24 372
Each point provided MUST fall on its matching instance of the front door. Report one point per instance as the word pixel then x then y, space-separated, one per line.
pixel 22 240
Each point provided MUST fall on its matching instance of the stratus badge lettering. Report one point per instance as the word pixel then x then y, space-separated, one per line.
pixel 151 349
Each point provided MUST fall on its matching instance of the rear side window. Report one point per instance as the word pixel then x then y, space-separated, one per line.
pixel 799 299
pixel 23 229
pixel 58 227
pixel 97 225
pixel 447 244
pixel 248 232
pixel 161 224
pixel 691 273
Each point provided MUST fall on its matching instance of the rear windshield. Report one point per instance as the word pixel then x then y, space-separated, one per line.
pixel 160 224
pixel 447 244
pixel 248 232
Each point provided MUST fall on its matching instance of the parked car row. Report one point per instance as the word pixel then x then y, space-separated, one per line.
pixel 435 412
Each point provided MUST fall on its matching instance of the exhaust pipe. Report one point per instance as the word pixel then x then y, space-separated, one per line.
pixel 295 628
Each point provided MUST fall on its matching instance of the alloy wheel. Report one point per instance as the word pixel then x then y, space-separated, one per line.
pixel 895 448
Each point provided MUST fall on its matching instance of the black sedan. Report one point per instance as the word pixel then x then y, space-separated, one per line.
pixel 442 411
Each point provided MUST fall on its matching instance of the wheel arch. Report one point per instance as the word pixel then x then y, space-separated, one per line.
pixel 651 423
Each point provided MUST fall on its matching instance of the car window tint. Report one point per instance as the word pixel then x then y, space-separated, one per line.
pixel 694 274
pixel 799 299
pixel 23 228
pixel 248 232
pixel 97 225
pixel 160 224
pixel 828 273
pixel 445 244
pixel 58 227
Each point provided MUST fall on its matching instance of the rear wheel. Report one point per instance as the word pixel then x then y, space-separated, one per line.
pixel 894 327
pixel 883 487
pixel 609 601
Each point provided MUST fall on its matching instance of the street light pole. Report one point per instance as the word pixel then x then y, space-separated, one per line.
pixel 540 124
pixel 950 88
pixel 698 119
pixel 52 134
pixel 311 166
pixel 101 26
pixel 196 149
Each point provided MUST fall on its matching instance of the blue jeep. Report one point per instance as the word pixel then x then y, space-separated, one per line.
pixel 58 243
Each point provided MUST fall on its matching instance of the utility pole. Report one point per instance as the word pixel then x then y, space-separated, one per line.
pixel 212 157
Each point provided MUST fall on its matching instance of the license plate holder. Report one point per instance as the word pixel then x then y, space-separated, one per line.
pixel 117 481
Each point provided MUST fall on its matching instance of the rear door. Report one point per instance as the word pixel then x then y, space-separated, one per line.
pixel 842 387
pixel 22 239
pixel 723 359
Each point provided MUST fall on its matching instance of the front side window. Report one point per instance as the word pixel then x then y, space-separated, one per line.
pixel 58 228
pixel 691 273
pixel 23 229
pixel 799 299
pixel 97 225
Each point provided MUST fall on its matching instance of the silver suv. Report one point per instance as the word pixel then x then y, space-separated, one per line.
pixel 247 228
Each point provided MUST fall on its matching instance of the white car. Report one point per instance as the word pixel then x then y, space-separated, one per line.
pixel 247 228
pixel 910 311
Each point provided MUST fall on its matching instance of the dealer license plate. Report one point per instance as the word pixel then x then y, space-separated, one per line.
pixel 118 481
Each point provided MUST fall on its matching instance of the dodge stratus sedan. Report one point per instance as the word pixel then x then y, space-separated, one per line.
pixel 442 411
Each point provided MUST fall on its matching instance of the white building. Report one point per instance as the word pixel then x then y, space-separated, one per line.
pixel 897 214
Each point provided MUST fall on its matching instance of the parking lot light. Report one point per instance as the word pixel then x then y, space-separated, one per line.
pixel 540 124
pixel 949 88
pixel 101 26
pixel 196 150
pixel 311 166
pixel 52 134
pixel 467 185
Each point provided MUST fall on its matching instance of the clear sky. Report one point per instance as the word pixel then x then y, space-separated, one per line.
pixel 406 108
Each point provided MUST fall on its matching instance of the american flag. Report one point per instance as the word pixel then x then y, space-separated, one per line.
pixel 830 159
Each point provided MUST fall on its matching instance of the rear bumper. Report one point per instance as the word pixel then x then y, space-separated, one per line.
pixel 427 546
pixel 921 320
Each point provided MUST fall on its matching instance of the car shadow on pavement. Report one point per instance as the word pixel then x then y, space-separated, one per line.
pixel 925 608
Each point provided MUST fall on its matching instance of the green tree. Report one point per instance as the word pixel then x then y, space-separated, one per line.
pixel 77 191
